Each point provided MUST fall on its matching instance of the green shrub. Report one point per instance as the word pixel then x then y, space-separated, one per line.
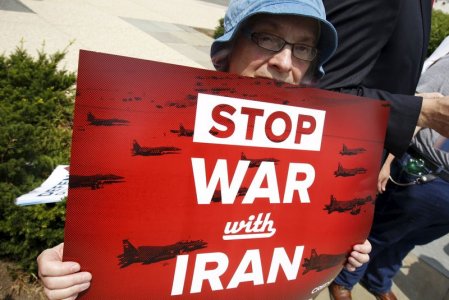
pixel 440 30
pixel 36 105
pixel 219 30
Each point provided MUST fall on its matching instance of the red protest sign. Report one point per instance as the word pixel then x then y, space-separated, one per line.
pixel 191 183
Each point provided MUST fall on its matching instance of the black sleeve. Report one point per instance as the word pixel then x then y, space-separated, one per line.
pixel 364 59
pixel 404 112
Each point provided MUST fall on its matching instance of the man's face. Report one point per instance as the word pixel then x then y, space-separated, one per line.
pixel 248 59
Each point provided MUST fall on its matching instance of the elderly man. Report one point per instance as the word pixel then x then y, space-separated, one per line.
pixel 284 40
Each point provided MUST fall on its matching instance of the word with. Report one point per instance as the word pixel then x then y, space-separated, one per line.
pixel 253 229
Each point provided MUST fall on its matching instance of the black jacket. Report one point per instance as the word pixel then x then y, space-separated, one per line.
pixel 382 46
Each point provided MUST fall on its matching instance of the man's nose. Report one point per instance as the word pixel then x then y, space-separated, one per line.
pixel 282 60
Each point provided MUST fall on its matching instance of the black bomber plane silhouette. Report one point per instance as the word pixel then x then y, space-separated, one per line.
pixel 151 254
pixel 182 131
pixel 348 172
pixel 105 122
pixel 351 151
pixel 93 181
pixel 153 151
pixel 323 261
pixel 255 162
pixel 353 206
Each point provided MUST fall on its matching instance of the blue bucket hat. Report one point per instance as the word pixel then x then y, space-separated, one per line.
pixel 241 10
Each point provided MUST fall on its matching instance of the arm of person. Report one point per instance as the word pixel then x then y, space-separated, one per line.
pixel 361 64
pixel 385 171
pixel 405 111
pixel 358 256
pixel 61 280
pixel 384 174
pixel 435 114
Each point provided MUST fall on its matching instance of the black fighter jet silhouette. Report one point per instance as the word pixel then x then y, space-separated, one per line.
pixel 348 172
pixel 182 131
pixel 351 151
pixel 323 261
pixel 353 206
pixel 105 122
pixel 255 162
pixel 93 181
pixel 151 254
pixel 153 151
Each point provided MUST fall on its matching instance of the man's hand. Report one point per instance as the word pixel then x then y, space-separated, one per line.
pixel 429 95
pixel 61 280
pixel 358 256
pixel 435 113
pixel 382 180
pixel 384 174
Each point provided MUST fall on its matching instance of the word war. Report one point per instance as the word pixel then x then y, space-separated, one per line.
pixel 266 171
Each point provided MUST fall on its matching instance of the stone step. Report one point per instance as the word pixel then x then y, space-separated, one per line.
pixel 417 280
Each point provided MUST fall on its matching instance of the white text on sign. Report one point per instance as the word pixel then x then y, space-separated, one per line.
pixel 233 121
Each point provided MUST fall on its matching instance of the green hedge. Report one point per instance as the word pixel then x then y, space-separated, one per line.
pixel 36 105
pixel 440 30
pixel 219 30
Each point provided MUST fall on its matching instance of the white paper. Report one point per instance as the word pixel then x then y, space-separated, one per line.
pixel 53 189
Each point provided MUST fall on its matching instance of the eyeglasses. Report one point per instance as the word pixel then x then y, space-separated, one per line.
pixel 274 43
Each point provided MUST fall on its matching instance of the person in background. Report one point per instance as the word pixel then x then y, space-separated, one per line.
pixel 418 194
pixel 436 80
pixel 287 41
pixel 382 47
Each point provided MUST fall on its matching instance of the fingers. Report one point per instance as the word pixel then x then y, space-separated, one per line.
pixel 359 256
pixel 435 114
pixel 67 293
pixel 50 263
pixel 384 174
pixel 384 185
pixel 66 287
pixel 356 260
pixel 381 185
pixel 61 280
pixel 364 248
pixel 350 267
pixel 57 268
pixel 430 95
